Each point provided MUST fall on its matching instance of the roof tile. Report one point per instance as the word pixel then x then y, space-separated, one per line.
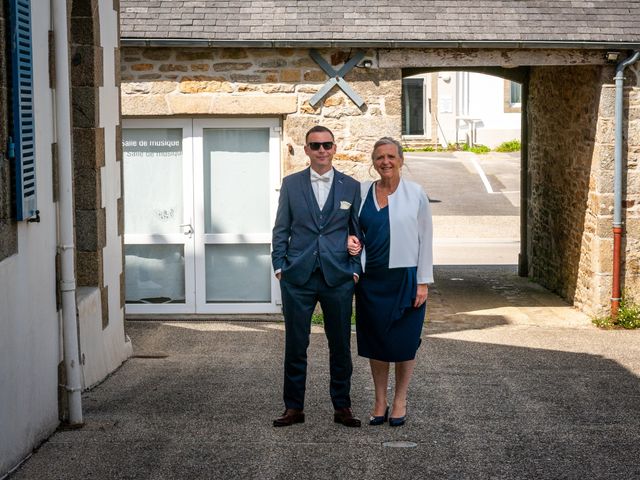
pixel 430 20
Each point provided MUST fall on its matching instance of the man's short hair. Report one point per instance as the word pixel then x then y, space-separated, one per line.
pixel 316 129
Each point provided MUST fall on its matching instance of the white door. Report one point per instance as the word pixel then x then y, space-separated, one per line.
pixel 237 172
pixel 158 212
pixel 200 201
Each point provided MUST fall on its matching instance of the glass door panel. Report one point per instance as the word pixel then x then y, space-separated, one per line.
pixel 153 183
pixel 239 168
pixel 236 165
pixel 238 273
pixel 154 273
pixel 158 179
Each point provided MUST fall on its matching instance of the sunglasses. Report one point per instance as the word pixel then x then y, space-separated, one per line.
pixel 316 145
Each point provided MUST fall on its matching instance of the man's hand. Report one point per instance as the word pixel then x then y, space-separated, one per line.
pixel 421 295
pixel 355 278
pixel 278 275
pixel 353 245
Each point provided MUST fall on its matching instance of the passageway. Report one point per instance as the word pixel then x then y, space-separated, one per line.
pixel 475 197
pixel 475 205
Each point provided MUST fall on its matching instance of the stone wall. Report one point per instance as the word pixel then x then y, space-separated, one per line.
pixel 97 157
pixel 570 133
pixel 266 82
pixel 571 145
pixel 631 180
pixel 88 146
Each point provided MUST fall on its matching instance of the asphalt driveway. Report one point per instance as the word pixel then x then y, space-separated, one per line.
pixel 511 383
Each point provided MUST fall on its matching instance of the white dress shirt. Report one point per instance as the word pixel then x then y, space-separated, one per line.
pixel 321 185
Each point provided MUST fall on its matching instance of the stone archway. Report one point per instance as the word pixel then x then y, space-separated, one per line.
pixel 567 161
pixel 520 75
pixel 570 144
pixel 567 134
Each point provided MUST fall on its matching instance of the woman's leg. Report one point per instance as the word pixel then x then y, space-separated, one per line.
pixel 404 370
pixel 380 374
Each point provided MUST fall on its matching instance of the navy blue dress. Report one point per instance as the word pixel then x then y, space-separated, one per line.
pixel 388 327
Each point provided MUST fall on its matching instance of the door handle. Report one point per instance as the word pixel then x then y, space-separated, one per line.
pixel 189 229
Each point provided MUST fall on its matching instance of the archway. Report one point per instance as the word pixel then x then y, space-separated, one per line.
pixel 479 201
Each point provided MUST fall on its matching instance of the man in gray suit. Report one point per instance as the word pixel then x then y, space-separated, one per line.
pixel 318 209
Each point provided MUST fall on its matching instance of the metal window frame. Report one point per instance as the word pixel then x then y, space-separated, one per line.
pixel 424 108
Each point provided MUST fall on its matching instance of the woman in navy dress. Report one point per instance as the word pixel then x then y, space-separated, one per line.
pixel 391 295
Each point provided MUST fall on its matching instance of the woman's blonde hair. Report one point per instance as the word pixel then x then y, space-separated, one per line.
pixel 388 141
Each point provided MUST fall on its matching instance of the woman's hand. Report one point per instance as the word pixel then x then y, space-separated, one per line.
pixel 421 295
pixel 353 245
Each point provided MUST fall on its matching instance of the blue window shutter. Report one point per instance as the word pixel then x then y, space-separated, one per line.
pixel 23 130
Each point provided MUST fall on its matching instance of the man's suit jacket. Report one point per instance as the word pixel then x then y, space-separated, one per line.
pixel 302 236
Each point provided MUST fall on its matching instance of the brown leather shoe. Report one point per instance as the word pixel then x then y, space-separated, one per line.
pixel 289 417
pixel 345 417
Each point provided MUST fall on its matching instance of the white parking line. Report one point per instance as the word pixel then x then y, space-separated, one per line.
pixel 437 159
pixel 475 241
pixel 476 165
pixel 482 175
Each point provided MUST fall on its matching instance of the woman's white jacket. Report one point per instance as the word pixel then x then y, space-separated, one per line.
pixel 411 229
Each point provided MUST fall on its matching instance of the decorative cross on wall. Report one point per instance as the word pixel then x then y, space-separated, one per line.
pixel 336 78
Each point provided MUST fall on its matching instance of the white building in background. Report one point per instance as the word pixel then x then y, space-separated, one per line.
pixel 39 131
pixel 460 107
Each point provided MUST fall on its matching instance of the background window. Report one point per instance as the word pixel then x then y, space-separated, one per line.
pixel 515 93
pixel 413 106
pixel 512 96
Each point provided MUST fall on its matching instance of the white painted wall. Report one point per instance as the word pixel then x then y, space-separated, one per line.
pixel 475 96
pixel 486 101
pixel 29 324
pixel 448 105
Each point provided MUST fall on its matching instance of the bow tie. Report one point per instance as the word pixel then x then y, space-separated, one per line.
pixel 316 177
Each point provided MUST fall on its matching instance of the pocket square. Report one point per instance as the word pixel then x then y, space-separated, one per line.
pixel 344 205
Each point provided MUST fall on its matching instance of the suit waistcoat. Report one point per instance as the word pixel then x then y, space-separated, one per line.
pixel 305 238
pixel 322 216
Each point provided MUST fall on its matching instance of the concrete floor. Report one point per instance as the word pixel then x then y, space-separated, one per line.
pixel 511 383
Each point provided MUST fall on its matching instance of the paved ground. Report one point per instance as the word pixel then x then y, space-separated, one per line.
pixel 475 200
pixel 511 384
pixel 465 184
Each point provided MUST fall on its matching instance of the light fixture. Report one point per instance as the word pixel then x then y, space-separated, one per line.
pixel 612 57
pixel 366 64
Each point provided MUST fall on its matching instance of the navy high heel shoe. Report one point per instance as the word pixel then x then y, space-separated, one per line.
pixel 398 421
pixel 379 420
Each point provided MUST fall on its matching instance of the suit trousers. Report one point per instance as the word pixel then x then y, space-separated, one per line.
pixel 298 304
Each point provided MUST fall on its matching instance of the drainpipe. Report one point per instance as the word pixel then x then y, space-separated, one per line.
pixel 65 213
pixel 523 257
pixel 616 294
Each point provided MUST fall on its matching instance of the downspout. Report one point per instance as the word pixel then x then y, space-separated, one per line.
pixel 459 99
pixel 65 213
pixel 523 257
pixel 616 294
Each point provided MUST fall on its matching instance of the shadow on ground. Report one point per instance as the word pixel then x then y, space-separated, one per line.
pixel 492 397
pixel 484 296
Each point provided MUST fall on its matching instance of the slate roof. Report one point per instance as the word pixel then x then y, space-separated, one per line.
pixel 382 22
